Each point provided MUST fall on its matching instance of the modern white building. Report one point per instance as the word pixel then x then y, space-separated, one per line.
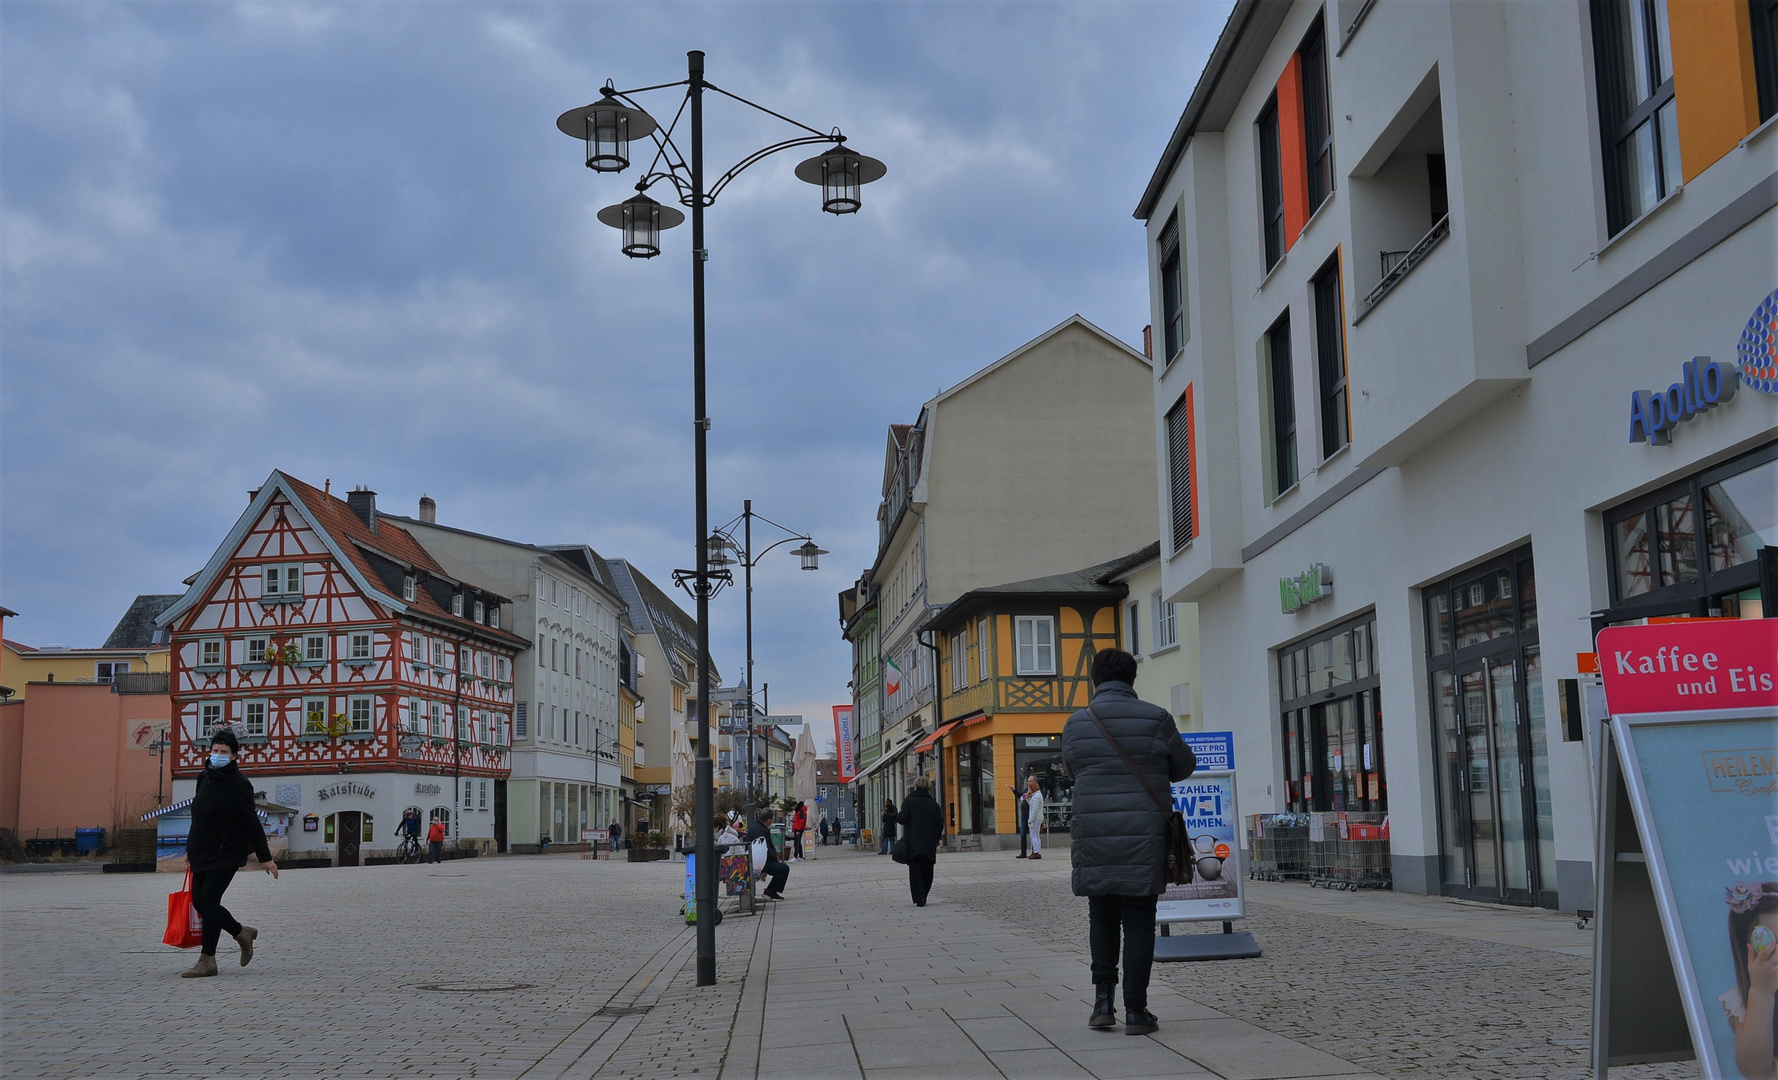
pixel 1464 318
pixel 566 771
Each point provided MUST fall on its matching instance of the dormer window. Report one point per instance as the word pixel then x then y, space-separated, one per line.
pixel 481 612
pixel 494 616
pixel 457 604
pixel 407 588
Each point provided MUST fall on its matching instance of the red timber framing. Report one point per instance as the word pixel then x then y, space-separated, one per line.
pixel 304 578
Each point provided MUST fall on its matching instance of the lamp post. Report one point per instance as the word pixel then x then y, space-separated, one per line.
pixel 723 540
pixel 608 126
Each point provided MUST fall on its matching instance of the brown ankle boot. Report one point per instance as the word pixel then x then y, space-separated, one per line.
pixel 205 967
pixel 245 937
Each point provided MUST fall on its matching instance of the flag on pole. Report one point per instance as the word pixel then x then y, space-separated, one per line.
pixel 891 676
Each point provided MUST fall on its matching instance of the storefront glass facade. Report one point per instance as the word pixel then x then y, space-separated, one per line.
pixel 1041 756
pixel 1485 670
pixel 1332 720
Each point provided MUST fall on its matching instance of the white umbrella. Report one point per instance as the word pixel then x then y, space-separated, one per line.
pixel 804 776
pixel 684 774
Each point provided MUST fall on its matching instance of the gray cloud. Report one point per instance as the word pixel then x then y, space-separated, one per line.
pixel 347 241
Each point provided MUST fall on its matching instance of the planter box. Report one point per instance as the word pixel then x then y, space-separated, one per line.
pixel 648 854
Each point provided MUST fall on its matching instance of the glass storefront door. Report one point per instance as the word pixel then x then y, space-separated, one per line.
pixel 1496 837
pixel 1332 720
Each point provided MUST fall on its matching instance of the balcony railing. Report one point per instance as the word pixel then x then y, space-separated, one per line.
pixel 1398 265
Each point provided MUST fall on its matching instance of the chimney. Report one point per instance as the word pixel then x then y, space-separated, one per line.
pixel 363 502
pixel 1148 341
pixel 428 510
pixel 251 495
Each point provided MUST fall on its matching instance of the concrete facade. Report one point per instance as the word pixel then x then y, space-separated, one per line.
pixel 1487 383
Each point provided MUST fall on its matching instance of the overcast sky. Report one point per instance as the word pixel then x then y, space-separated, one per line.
pixel 347 241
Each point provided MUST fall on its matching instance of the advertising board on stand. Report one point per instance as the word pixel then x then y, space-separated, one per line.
pixel 1694 725
pixel 1207 800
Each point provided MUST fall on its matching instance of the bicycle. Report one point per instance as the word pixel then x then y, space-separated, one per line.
pixel 409 851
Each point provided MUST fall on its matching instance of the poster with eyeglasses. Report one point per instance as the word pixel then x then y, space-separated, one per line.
pixel 1695 726
pixel 1207 800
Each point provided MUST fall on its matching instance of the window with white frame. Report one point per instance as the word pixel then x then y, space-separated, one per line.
pixel 1035 636
pixel 484 665
pixel 103 670
pixel 210 652
pixel 497 736
pixel 253 719
pixel 438 720
pixel 502 669
pixel 959 660
pixel 407 588
pixel 1133 627
pixel 459 721
pixel 468 795
pixel 481 612
pixel 1166 624
pixel 358 713
pixel 314 648
pixel 438 653
pixel 360 647
pixel 483 785
pixel 457 604
pixel 256 649
pixel 315 716
pixel 981 649
pixel 494 616
pixel 284 581
pixel 209 718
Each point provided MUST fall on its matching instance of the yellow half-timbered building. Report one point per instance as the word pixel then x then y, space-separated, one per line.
pixel 1015 662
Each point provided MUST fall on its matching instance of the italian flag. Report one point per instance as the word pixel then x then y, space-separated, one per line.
pixel 892 676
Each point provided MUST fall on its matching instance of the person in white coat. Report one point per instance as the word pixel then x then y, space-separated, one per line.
pixel 1034 814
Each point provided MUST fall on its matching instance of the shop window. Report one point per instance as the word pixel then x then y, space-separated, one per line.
pixel 1741 513
pixel 1638 119
pixel 1331 720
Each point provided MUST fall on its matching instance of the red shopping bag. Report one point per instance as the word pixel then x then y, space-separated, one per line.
pixel 185 929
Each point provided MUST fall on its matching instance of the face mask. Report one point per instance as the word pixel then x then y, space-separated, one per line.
pixel 217 761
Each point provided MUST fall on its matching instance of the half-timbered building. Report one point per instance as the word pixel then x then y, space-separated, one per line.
pixel 361 678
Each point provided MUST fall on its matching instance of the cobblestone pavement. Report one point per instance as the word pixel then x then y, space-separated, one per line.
pixel 1367 985
pixel 557 968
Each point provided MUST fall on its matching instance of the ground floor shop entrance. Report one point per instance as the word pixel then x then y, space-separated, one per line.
pixel 1485 669
pixel 975 787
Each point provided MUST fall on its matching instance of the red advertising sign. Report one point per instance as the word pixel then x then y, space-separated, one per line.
pixel 842 741
pixel 1690 665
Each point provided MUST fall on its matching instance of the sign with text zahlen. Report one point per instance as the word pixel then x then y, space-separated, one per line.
pixel 1690 665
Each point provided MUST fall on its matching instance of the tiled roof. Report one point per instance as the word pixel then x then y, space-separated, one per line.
pixel 1130 562
pixel 136 630
pixel 1087 582
pixel 393 542
pixel 589 561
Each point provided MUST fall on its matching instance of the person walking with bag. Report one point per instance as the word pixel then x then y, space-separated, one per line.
pixel 1034 814
pixel 225 829
pixel 888 837
pixel 922 823
pixel 799 824
pixel 1125 754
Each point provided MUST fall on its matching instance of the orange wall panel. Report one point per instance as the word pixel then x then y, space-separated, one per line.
pixel 12 734
pixel 78 765
pixel 1293 150
pixel 1713 79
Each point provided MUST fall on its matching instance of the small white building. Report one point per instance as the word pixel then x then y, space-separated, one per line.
pixel 1451 304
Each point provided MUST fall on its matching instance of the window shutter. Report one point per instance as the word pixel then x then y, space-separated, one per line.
pixel 1182 481
pixel 520 729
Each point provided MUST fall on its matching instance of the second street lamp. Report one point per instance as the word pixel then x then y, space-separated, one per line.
pixel 606 127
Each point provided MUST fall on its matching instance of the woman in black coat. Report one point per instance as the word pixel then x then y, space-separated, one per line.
pixel 922 823
pixel 225 828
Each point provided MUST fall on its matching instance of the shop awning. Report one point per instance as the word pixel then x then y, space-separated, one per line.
pixel 932 740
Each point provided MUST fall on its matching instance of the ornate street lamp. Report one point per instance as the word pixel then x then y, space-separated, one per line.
pixel 811 555
pixel 641 220
pixel 607 125
pixel 840 173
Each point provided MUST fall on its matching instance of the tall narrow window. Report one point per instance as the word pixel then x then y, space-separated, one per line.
pixel 1271 185
pixel 981 649
pixel 1637 116
pixel 1283 406
pixel 1133 628
pixel 1172 293
pixel 1317 131
pixel 1166 623
pixel 1764 15
pixel 1330 352
pixel 1181 481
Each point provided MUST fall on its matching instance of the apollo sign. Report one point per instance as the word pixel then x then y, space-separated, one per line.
pixel 1703 385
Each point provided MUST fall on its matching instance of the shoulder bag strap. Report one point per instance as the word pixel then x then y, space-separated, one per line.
pixel 1163 805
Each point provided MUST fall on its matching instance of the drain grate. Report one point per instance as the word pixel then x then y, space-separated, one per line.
pixel 470 988
pixel 623 1010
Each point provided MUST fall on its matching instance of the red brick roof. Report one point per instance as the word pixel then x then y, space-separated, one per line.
pixel 349 532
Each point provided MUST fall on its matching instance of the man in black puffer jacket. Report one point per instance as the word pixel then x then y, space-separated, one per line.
pixel 225 829
pixel 1119 833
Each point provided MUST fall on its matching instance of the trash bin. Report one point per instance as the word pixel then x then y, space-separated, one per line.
pixel 89 841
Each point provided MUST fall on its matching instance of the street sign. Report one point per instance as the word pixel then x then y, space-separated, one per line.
pixel 730 693
pixel 780 720
pixel 410 742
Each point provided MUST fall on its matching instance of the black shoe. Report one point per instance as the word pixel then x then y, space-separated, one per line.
pixel 1104 1014
pixel 1140 1022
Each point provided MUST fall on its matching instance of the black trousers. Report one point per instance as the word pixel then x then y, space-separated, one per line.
pixel 1132 918
pixel 920 879
pixel 437 847
pixel 1024 840
pixel 776 872
pixel 796 841
pixel 207 887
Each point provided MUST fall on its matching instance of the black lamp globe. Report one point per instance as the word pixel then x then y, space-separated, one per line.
pixel 840 173
pixel 607 125
pixel 641 220
pixel 811 555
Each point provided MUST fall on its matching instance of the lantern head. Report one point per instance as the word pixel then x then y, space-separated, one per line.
pixel 607 125
pixel 840 172
pixel 641 220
